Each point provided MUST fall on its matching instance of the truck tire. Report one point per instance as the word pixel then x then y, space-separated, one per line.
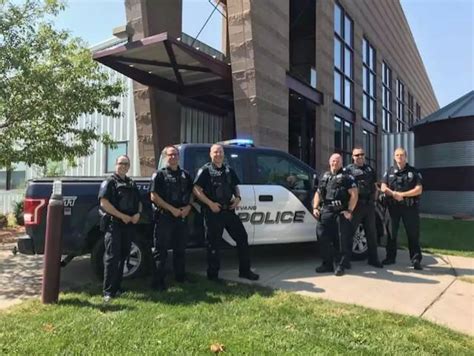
pixel 359 245
pixel 137 264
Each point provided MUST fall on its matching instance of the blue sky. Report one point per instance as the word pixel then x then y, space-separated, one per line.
pixel 443 31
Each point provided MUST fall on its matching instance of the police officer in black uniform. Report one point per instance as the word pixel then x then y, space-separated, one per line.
pixel 402 184
pixel 120 209
pixel 333 204
pixel 364 212
pixel 170 190
pixel 216 187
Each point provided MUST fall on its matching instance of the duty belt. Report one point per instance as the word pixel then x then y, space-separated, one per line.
pixel 333 205
pixel 404 202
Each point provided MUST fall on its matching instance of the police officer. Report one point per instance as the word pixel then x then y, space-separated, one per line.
pixel 170 190
pixel 120 209
pixel 402 184
pixel 216 187
pixel 364 212
pixel 333 204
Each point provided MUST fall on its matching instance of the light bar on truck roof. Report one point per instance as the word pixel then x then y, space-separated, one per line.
pixel 238 142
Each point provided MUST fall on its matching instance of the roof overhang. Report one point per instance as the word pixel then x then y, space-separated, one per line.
pixel 166 63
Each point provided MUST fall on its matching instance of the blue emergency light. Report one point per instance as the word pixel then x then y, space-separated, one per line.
pixel 239 142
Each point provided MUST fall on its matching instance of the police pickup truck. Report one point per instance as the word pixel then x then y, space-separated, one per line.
pixel 276 191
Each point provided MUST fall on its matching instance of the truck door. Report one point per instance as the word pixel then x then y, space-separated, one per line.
pixel 237 159
pixel 283 194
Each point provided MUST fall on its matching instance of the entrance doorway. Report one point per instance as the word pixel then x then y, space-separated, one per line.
pixel 301 117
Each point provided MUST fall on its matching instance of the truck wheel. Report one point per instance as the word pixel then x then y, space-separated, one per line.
pixel 136 265
pixel 359 245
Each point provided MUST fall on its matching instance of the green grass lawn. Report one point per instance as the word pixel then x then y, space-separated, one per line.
pixel 188 319
pixel 450 237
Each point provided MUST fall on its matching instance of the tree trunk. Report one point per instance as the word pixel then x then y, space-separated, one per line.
pixel 8 178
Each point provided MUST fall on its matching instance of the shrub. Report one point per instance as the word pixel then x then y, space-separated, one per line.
pixel 3 220
pixel 18 212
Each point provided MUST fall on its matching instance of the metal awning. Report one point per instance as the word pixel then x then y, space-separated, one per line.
pixel 168 64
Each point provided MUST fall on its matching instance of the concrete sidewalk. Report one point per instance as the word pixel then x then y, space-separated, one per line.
pixel 436 293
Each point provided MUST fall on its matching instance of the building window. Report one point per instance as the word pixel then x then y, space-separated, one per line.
pixel 400 106
pixel 343 57
pixel 368 81
pixel 418 112
pixel 111 155
pixel 411 110
pixel 386 97
pixel 370 148
pixel 17 180
pixel 302 40
pixel 343 139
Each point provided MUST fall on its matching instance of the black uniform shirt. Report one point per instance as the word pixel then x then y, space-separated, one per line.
pixel 174 187
pixel 402 180
pixel 208 178
pixel 366 178
pixel 123 194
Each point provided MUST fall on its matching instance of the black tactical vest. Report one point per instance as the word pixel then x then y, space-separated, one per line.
pixel 221 189
pixel 177 192
pixel 402 181
pixel 364 178
pixel 333 190
pixel 126 197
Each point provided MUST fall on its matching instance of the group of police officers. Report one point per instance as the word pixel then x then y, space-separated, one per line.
pixel 344 199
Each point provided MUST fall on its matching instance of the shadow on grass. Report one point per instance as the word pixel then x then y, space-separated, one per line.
pixel 103 307
pixel 201 291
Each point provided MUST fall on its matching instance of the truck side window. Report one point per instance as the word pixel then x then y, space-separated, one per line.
pixel 278 170
pixel 235 160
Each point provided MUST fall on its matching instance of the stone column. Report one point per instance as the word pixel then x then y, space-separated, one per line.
pixel 157 113
pixel 325 73
pixel 259 51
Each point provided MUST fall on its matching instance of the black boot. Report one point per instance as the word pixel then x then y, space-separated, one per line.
pixel 249 275
pixel 325 268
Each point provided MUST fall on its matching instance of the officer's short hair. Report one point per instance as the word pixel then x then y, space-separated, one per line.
pixel 128 158
pixel 216 144
pixel 401 149
pixel 357 148
pixel 163 152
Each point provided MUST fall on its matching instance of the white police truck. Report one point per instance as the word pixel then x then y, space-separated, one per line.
pixel 277 191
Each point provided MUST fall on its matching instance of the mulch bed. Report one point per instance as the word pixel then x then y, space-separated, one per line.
pixel 10 234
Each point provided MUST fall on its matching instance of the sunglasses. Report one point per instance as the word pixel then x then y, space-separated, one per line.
pixel 359 155
pixel 123 163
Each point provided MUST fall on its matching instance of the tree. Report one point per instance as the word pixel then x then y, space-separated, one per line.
pixel 47 81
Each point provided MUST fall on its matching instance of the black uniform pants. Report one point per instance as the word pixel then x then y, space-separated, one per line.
pixel 117 242
pixel 364 214
pixel 215 225
pixel 169 232
pixel 334 231
pixel 411 221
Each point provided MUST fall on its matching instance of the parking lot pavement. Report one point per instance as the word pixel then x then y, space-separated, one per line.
pixel 434 293
pixel 21 275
